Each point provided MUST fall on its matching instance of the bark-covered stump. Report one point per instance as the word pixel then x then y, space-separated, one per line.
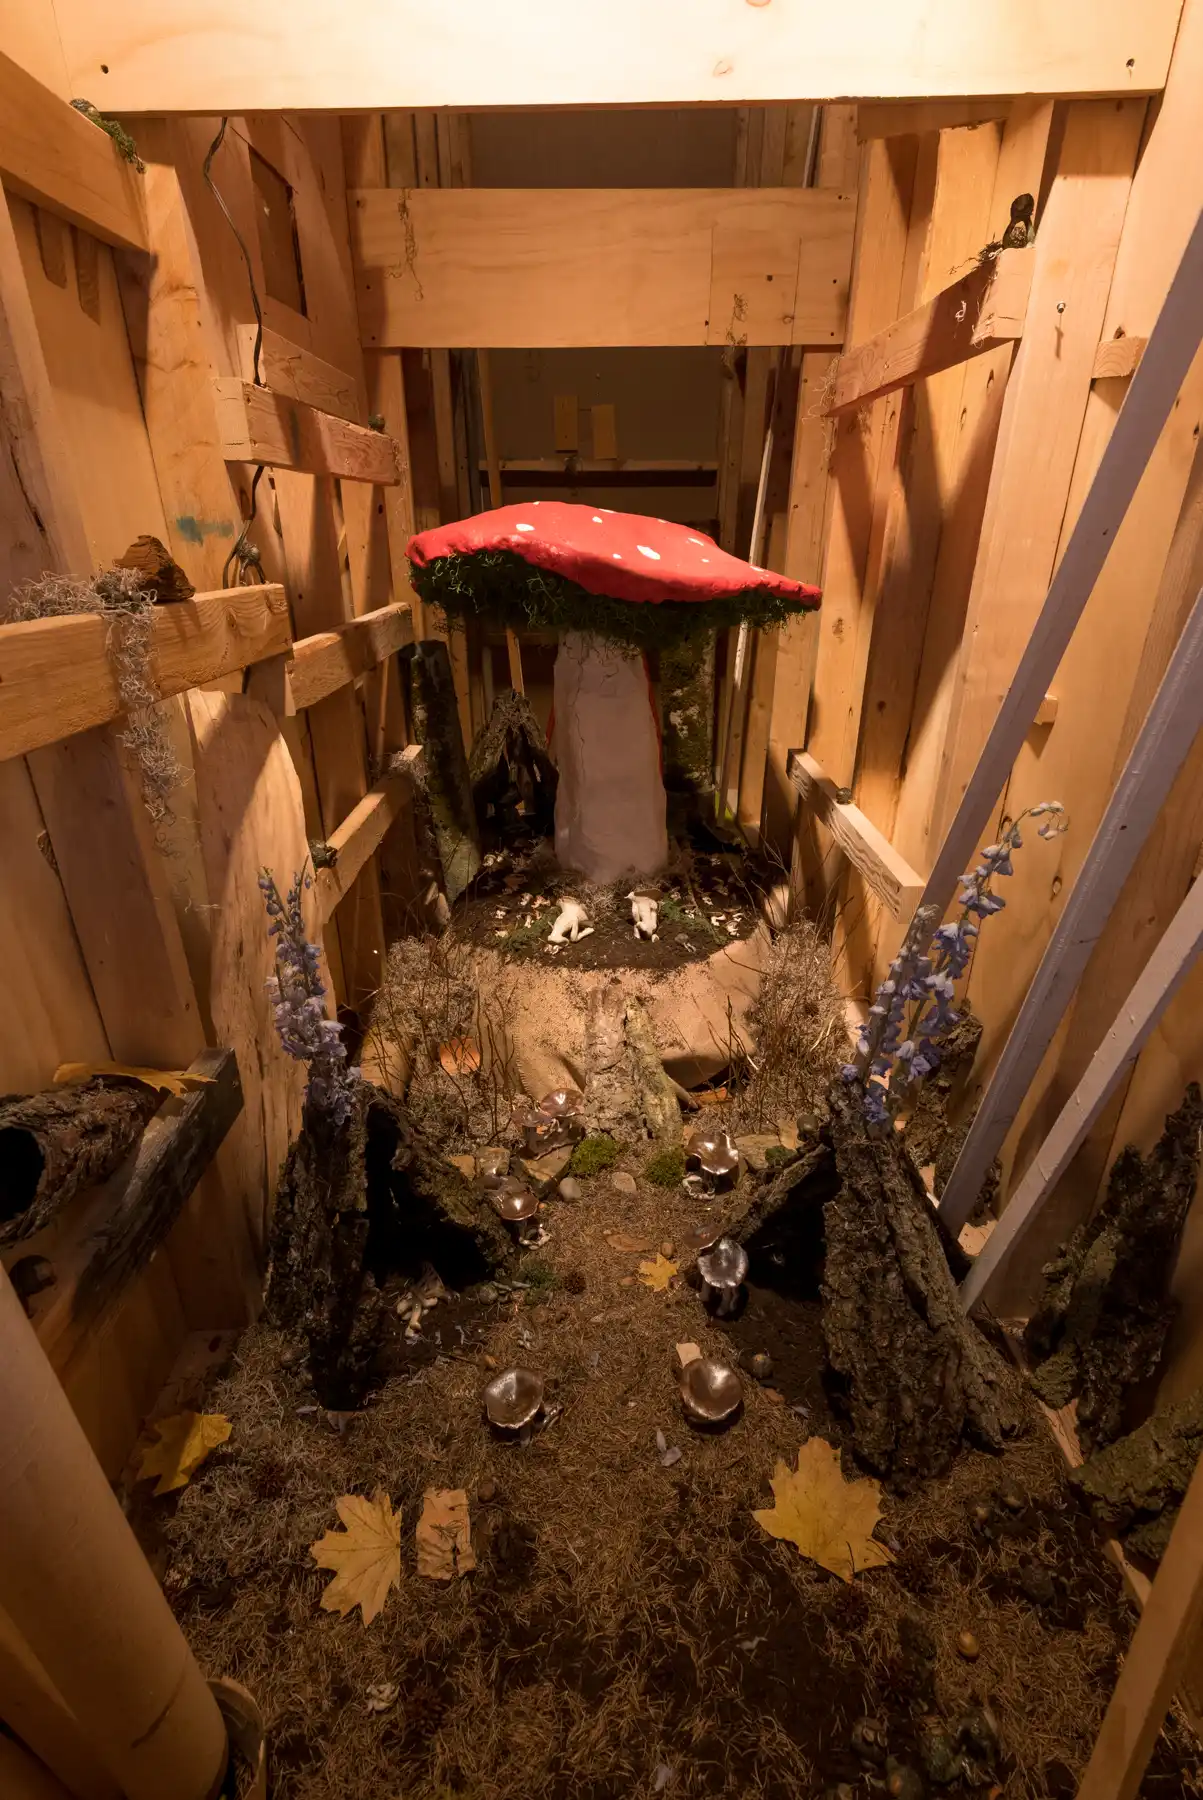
pixel 355 1203
pixel 55 1144
pixel 1101 1325
pixel 1137 1484
pixel 917 1375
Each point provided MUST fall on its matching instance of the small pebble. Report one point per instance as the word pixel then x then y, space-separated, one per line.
pixel 486 1491
pixel 490 1362
pixel 666 1248
pixel 968 1646
pixel 626 1184
pixel 903 1783
pixel 761 1365
pixel 571 1189
pixel 1012 1499
pixel 772 1394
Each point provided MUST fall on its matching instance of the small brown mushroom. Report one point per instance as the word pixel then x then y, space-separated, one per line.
pixel 704 1236
pixel 513 1398
pixel 560 1120
pixel 724 1271
pixel 512 1200
pixel 715 1154
pixel 710 1390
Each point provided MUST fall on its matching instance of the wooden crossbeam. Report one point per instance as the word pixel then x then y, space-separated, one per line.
pixel 905 118
pixel 1118 356
pixel 889 875
pixel 59 676
pixel 52 154
pixel 258 425
pixel 982 310
pixel 328 660
pixel 359 835
pixel 536 268
pixel 290 369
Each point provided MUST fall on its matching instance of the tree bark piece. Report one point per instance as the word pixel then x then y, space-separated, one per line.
pixel 919 1377
pixel 610 1100
pixel 657 1098
pixel 509 763
pixel 356 1203
pixel 1107 1308
pixel 687 727
pixel 56 1143
pixel 1136 1485
pixel 444 764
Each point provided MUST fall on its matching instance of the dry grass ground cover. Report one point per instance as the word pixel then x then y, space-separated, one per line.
pixel 629 1628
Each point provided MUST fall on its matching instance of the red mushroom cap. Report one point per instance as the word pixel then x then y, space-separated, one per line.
pixel 626 556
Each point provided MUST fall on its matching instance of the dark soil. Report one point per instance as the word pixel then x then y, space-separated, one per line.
pixel 512 905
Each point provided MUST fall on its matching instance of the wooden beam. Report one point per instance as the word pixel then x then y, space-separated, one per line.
pixel 290 369
pixel 902 118
pixel 330 659
pixel 1171 727
pixel 257 425
pixel 105 1242
pixel 889 875
pixel 59 676
pixel 979 312
pixel 358 836
pixel 1118 357
pixel 51 154
pixel 1158 982
pixel 544 267
pixel 209 56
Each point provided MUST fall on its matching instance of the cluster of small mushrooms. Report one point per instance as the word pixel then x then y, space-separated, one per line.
pixel 711 1393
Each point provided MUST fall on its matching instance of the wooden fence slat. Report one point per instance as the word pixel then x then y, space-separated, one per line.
pixel 889 875
pixel 58 676
pixel 257 425
pixel 358 836
pixel 52 155
pixel 328 660
pixel 980 312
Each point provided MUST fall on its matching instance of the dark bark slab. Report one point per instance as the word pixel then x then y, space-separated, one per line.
pixel 918 1377
pixel 509 763
pixel 1100 1328
pixel 57 1143
pixel 444 767
pixel 356 1203
pixel 1137 1484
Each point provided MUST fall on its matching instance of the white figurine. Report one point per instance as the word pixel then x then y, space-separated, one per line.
pixel 571 924
pixel 645 912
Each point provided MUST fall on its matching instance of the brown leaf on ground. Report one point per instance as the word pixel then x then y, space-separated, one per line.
pixel 168 1081
pixel 628 1245
pixel 658 1273
pixel 460 1056
pixel 829 1519
pixel 445 1534
pixel 185 1440
pixel 366 1557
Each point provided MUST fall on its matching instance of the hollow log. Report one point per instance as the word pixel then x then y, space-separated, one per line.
pixel 917 1374
pixel 56 1143
pixel 1100 1328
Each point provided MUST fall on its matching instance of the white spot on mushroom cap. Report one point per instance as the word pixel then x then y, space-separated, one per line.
pixel 597 518
pixel 700 542
pixel 705 559
pixel 615 554
pixel 524 528
pixel 645 550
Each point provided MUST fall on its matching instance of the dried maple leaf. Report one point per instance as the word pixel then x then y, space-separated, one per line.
pixel 185 1440
pixel 459 1056
pixel 366 1557
pixel 445 1534
pixel 830 1520
pixel 657 1274
pixel 630 1246
pixel 168 1081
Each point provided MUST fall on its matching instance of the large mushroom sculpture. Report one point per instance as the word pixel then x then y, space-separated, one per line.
pixel 615 586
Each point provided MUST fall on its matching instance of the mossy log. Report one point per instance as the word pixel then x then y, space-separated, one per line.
pixel 1137 1484
pixel 687 726
pixel 1101 1325
pixel 55 1144
pixel 356 1203
pixel 448 790
pixel 510 758
pixel 918 1377
pixel 657 1096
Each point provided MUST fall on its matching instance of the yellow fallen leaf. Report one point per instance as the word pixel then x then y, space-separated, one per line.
pixel 169 1081
pixel 445 1534
pixel 184 1442
pixel 830 1520
pixel 459 1056
pixel 657 1274
pixel 630 1246
pixel 366 1557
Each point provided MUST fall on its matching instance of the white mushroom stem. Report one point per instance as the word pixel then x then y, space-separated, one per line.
pixel 610 803
pixel 645 912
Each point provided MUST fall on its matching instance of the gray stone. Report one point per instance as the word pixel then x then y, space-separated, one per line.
pixel 626 1184
pixel 571 1189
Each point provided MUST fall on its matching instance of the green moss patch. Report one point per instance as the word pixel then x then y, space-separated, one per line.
pixel 667 1168
pixel 593 1154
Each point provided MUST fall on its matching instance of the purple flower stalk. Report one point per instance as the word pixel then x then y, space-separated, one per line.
pixel 895 1053
pixel 297 994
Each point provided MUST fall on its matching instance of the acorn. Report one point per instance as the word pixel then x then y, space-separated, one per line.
pixel 761 1365
pixel 968 1646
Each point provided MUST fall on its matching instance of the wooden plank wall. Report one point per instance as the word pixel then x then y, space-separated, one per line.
pixel 941 545
pixel 145 950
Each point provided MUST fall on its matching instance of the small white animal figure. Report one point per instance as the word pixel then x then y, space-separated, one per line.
pixel 645 910
pixel 571 924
